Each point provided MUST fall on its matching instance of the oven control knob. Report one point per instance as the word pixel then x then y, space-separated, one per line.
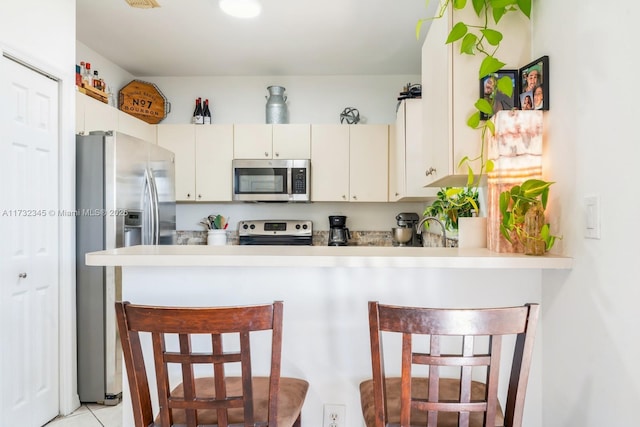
pixel 245 226
pixel 297 226
pixel 252 226
pixel 304 227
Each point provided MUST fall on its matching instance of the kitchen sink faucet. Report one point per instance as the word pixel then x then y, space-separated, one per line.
pixel 427 218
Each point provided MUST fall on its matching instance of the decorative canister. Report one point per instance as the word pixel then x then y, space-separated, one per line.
pixel 472 232
pixel 277 105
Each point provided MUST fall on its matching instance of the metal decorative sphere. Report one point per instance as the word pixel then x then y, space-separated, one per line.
pixel 350 115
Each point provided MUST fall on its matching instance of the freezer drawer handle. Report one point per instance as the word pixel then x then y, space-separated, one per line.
pixel 22 275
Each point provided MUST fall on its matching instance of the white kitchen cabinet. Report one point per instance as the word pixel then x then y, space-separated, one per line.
pixel 349 163
pixel 136 127
pixel 408 155
pixel 330 163
pixel 93 115
pixel 213 156
pixel 98 115
pixel 203 160
pixel 368 163
pixel 267 141
pixel 447 106
pixel 180 139
pixel 80 100
pixel 291 141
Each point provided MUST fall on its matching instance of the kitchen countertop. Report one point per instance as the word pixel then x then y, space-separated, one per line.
pixel 320 256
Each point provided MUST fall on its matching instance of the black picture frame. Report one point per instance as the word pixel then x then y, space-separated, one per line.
pixel 533 89
pixel 501 100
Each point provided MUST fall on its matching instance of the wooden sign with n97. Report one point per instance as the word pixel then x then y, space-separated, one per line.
pixel 144 101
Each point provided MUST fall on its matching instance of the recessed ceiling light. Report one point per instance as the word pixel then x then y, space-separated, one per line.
pixel 241 8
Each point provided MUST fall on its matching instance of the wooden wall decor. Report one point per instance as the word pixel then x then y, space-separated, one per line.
pixel 144 101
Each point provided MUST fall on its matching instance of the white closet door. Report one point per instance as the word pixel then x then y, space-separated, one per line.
pixel 29 251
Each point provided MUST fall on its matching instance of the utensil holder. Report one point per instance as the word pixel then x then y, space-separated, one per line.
pixel 216 237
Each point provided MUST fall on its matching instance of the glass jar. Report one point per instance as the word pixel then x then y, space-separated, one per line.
pixel 533 222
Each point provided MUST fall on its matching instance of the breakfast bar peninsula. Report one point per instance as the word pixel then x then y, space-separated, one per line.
pixel 325 292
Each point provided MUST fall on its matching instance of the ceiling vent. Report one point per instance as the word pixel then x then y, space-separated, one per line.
pixel 143 4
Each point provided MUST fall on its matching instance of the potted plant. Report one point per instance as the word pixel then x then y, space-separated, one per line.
pixel 522 209
pixel 453 203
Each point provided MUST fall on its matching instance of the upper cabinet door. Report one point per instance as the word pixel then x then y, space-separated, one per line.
pixel 252 141
pixel 447 106
pixel 213 156
pixel 181 140
pixel 99 116
pixel 330 163
pixel 369 161
pixel 291 141
pixel 136 127
pixel 397 185
pixel 80 97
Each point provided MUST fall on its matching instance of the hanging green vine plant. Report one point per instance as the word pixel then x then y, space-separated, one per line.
pixel 481 38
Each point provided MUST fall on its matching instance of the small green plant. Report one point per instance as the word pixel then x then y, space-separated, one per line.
pixel 514 205
pixel 452 203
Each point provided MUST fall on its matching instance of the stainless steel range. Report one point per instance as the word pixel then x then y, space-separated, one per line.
pixel 275 232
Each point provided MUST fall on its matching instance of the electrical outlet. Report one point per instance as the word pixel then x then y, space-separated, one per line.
pixel 334 416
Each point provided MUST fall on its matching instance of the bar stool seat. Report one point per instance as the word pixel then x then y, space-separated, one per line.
pixel 290 400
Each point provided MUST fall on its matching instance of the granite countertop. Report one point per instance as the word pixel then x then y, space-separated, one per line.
pixel 320 256
pixel 320 238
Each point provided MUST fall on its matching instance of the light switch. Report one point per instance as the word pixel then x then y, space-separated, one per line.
pixel 592 219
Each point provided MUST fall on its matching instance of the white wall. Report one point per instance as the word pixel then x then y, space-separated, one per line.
pixel 114 76
pixel 590 314
pixel 311 99
pixel 41 33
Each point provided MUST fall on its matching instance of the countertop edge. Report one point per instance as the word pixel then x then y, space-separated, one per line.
pixel 316 256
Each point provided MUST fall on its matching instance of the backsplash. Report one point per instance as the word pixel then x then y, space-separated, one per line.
pixel 320 238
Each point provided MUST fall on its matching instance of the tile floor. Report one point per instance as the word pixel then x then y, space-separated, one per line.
pixel 91 415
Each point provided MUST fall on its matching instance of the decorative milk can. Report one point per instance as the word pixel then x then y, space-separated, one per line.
pixel 277 105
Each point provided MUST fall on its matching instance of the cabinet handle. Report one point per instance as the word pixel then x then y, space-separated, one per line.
pixel 22 275
pixel 430 171
pixel 277 154
pixel 355 197
pixel 344 197
pixel 199 196
pixel 266 154
pixel 188 195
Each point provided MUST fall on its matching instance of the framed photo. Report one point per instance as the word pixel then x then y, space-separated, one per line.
pixel 489 91
pixel 534 85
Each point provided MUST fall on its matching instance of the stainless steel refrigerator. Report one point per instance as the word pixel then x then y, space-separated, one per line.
pixel 125 196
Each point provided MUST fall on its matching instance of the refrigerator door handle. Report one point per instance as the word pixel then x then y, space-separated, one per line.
pixel 155 208
pixel 148 231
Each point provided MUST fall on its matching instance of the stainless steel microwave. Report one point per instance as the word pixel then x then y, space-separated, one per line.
pixel 271 180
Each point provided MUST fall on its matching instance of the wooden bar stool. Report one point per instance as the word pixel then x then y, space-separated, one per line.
pixel 458 398
pixel 215 399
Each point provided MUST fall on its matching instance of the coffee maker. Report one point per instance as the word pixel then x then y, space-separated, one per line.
pixel 409 220
pixel 338 232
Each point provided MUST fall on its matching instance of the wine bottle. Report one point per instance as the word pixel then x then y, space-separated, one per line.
pixel 206 113
pixel 197 113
